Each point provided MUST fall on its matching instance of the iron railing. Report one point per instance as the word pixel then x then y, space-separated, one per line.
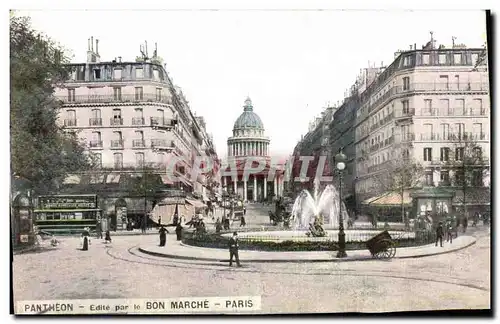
pixel 95 144
pixel 137 121
pixel 117 144
pixel 138 143
pixel 70 122
pixel 95 121
pixel 111 98
pixel 116 121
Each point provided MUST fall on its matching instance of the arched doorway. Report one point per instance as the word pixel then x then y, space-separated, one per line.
pixel 119 219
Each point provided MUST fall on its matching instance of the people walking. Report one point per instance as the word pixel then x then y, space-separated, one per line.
pixel 242 221
pixel 163 235
pixel 85 239
pixel 218 226
pixel 449 232
pixel 107 237
pixel 98 230
pixel 465 223
pixel 439 234
pixel 233 250
pixel 178 228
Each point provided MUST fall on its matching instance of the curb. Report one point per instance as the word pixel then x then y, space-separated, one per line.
pixel 360 258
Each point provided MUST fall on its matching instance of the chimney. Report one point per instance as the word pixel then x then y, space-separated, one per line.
pixel 92 42
pixel 97 46
pixel 88 41
pixel 415 46
pixel 411 47
pixel 119 59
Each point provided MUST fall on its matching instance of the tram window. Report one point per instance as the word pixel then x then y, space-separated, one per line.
pixel 56 216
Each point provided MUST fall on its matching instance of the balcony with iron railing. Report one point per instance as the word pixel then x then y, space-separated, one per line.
pixel 117 144
pixel 116 121
pixel 137 121
pixel 404 113
pixel 138 143
pixel 70 122
pixel 95 121
pixel 161 122
pixel 162 144
pixel 112 98
pixel 389 141
pixel 378 167
pixel 95 144
pixel 406 137
pixel 428 137
pixel 422 87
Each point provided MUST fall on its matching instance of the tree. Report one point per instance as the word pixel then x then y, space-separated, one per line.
pixel 398 175
pixel 41 151
pixel 466 160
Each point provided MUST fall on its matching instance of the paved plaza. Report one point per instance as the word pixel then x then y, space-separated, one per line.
pixel 454 280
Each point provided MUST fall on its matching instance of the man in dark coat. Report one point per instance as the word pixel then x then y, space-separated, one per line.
pixel 178 229
pixel 86 239
pixel 98 230
pixel 439 234
pixel 163 235
pixel 233 250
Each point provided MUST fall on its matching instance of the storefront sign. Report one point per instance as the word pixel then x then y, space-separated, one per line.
pixel 68 202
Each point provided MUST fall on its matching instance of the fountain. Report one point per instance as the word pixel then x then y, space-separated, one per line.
pixel 324 206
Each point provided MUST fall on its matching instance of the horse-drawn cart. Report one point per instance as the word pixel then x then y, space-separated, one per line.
pixel 381 246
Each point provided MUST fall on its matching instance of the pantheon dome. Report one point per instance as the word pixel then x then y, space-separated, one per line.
pixel 248 134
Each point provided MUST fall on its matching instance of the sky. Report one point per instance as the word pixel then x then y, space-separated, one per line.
pixel 290 63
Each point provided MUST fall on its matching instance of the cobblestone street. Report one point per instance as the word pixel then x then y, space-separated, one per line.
pixel 449 281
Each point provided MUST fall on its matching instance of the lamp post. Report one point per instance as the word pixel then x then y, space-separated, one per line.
pixel 340 159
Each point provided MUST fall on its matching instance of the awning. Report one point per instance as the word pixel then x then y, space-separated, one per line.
pixel 72 179
pixel 390 199
pixel 113 178
pixel 96 178
pixel 196 203
pixel 64 210
pixel 473 197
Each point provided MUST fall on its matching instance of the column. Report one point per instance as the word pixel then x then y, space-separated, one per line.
pixel 252 148
pixel 235 183
pixel 265 187
pixel 260 149
pixel 223 181
pixel 275 186
pixel 244 188
pixel 254 187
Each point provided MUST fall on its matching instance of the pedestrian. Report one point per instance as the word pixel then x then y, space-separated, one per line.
pixel 233 250
pixel 465 222
pixel 178 229
pixel 85 239
pixel 218 226
pixel 159 221
pixel 163 235
pixel 439 234
pixel 98 230
pixel 449 232
pixel 242 221
pixel 107 237
pixel 244 210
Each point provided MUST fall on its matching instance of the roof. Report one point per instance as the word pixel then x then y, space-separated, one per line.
pixel 390 198
pixel 248 118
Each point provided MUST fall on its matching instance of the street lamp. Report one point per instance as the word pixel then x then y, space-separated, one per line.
pixel 340 159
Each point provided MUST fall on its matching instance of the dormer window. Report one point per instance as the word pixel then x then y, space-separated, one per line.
pixel 139 73
pixel 97 74
pixel 117 73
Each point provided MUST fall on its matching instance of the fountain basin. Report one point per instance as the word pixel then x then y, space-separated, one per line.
pixel 332 235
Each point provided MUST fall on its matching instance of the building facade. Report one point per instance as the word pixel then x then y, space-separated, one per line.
pixel 426 106
pixel 130 115
pixel 249 141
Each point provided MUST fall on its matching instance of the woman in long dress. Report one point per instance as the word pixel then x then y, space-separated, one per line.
pixel 163 235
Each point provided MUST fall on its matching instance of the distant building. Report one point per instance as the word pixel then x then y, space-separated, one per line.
pixel 249 140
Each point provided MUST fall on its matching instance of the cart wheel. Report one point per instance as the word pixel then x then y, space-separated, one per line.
pixel 389 250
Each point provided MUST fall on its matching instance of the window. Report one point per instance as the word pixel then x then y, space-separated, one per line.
pixel 445 154
pixel 71 95
pixel 428 106
pixel 459 154
pixel 427 154
pixel 406 60
pixel 406 106
pixel 445 132
pixel 425 59
pixel 139 73
pixel 97 157
pixel 118 160
pixel 443 82
pixel 117 74
pixel 117 113
pixel 406 83
pixel 478 152
pixel 117 93
pixel 442 58
pixel 139 159
pixel 139 94
pixel 477 178
pixel 459 177
pixel 474 57
pixel 71 115
pixel 459 107
pixel 477 131
pixel 445 177
pixel 161 158
pixel 445 106
pixel 97 74
pixel 457 58
pixel 429 179
pixel 460 130
pixel 161 113
pixel 158 94
pixel 156 75
pixel 457 82
pixel 477 107
pixel 96 113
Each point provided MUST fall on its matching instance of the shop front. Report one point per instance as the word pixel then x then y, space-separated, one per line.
pixel 67 214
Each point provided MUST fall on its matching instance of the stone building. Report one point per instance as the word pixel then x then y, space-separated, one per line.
pixel 249 141
pixel 132 117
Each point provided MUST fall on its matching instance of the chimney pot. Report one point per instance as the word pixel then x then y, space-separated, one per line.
pixel 92 43
pixel 119 59
pixel 88 44
pixel 97 46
